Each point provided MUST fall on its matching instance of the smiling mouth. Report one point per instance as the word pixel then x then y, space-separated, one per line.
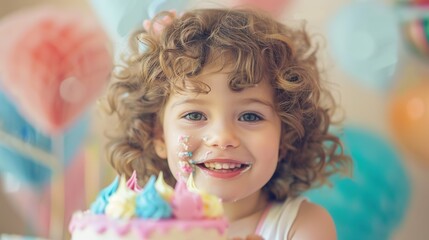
pixel 215 166
pixel 224 170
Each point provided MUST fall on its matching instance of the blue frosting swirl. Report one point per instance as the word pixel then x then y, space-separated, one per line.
pixel 150 204
pixel 99 206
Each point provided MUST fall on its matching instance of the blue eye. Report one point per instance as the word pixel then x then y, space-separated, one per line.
pixel 250 117
pixel 195 116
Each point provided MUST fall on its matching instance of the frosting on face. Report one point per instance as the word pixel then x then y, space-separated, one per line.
pixel 185 156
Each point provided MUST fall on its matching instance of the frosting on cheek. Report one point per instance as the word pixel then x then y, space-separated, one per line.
pixel 185 155
pixel 202 158
pixel 186 167
pixel 187 158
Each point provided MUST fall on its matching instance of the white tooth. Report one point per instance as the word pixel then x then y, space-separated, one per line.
pixel 231 166
pixel 207 165
pixel 225 166
pixel 238 165
pixel 218 165
pixel 212 165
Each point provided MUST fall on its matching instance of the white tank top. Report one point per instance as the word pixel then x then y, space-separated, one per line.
pixel 278 218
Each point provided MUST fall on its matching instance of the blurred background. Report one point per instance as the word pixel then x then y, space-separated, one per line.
pixel 374 56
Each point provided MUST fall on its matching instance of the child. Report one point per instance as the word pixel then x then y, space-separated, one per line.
pixel 235 97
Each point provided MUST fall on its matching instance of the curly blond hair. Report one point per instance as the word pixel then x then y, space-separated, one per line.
pixel 257 47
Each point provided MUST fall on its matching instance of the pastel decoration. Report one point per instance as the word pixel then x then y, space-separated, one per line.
pixel 274 7
pixel 110 13
pixel 34 204
pixel 187 205
pixel 150 205
pixel 371 204
pixel 409 121
pixel 74 188
pixel 416 34
pixel 53 64
pixel 157 6
pixel 26 153
pixel 364 42
pixel 99 205
pixel 122 17
pixel 419 3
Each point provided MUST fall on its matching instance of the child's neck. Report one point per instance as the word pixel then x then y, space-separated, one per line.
pixel 244 215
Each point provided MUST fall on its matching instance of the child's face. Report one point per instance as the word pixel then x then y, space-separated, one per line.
pixel 234 136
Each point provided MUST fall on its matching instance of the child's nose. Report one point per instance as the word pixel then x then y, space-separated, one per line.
pixel 222 137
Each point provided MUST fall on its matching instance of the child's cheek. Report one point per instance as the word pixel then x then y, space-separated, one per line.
pixel 184 154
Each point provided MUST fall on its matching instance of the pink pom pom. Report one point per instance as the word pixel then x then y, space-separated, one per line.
pixel 53 63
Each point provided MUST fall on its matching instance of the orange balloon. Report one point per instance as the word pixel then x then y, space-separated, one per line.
pixel 409 118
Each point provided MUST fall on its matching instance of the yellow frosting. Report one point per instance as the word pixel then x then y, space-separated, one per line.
pixel 122 203
pixel 212 206
pixel 165 190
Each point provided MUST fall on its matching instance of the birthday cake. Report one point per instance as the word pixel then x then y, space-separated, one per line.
pixel 123 210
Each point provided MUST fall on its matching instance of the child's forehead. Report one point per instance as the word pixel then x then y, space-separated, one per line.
pixel 219 89
pixel 220 80
pixel 223 63
pixel 220 65
pixel 220 71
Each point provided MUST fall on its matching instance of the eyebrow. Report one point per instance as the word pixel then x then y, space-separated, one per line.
pixel 244 101
pixel 188 101
pixel 257 100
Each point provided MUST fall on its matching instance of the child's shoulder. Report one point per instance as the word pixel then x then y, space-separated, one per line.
pixel 312 222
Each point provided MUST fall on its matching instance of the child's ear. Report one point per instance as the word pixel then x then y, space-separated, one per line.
pixel 160 148
pixel 159 143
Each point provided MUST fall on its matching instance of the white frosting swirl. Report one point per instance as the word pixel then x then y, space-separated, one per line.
pixel 122 204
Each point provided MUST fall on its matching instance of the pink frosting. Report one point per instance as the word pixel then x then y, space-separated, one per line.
pixel 186 204
pixel 187 215
pixel 100 223
pixel 132 183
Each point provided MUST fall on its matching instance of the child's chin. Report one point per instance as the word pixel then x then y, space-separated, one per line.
pixel 226 197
